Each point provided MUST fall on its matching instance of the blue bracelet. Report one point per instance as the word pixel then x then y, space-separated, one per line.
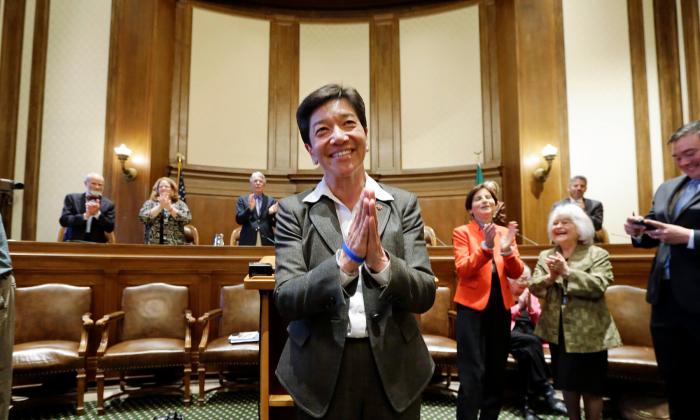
pixel 352 255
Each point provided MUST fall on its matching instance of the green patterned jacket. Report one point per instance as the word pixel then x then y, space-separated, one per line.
pixel 588 326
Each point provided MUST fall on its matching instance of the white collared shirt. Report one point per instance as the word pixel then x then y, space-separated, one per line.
pixel 358 321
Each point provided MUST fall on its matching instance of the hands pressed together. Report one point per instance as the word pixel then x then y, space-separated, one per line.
pixel 363 239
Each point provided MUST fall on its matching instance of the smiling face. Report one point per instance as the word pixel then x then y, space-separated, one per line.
pixel 165 188
pixel 257 184
pixel 94 185
pixel 338 140
pixel 686 153
pixel 483 206
pixel 564 231
pixel 577 188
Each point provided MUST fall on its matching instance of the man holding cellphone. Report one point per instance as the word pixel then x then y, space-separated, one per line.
pixel 673 226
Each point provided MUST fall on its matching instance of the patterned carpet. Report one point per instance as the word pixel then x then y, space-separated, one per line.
pixel 240 405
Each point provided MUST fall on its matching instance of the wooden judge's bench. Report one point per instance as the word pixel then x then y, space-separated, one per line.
pixel 108 268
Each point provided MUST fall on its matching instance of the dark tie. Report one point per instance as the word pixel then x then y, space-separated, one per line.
pixel 684 197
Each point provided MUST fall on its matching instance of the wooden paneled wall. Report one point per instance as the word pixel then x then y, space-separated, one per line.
pixel 523 91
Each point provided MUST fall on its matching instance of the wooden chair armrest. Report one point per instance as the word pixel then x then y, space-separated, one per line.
pixel 451 317
pixel 207 319
pixel 103 323
pixel 87 324
pixel 210 315
pixel 188 330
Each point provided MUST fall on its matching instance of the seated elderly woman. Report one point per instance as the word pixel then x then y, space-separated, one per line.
pixel 570 280
pixel 165 215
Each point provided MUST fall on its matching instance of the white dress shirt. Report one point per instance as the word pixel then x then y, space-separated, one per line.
pixel 357 328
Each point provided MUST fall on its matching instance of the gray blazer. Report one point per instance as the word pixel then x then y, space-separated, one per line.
pixel 308 292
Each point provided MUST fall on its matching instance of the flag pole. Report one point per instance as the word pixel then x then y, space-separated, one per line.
pixel 179 164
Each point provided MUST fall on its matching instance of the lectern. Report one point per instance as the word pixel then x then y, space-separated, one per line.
pixel 275 402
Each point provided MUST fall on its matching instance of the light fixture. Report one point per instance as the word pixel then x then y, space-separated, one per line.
pixel 549 152
pixel 123 154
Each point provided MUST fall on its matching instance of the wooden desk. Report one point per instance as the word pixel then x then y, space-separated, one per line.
pixel 273 335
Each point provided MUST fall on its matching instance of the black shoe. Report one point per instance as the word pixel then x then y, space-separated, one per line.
pixel 529 414
pixel 554 404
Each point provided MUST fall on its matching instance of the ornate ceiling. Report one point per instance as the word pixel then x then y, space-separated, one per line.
pixel 331 5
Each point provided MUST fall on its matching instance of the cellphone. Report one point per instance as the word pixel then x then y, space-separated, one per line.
pixel 648 226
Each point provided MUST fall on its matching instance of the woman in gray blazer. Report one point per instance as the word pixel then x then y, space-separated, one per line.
pixel 352 270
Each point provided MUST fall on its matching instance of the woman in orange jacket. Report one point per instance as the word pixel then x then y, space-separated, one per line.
pixel 485 256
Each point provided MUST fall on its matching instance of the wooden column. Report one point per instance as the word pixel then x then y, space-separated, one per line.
pixel 139 89
pixel 691 37
pixel 641 104
pixel 531 77
pixel 668 63
pixel 35 120
pixel 10 66
pixel 385 94
pixel 282 143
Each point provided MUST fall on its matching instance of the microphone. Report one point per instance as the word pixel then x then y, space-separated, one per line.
pixel 525 238
pixel 14 185
pixel 440 241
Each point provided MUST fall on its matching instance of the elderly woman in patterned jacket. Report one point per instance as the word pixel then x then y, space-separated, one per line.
pixel 570 280
pixel 165 215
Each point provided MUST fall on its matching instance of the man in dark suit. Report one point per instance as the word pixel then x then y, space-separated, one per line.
pixel 578 185
pixel 255 213
pixel 88 216
pixel 673 225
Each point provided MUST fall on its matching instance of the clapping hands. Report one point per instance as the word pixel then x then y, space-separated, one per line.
pixel 557 266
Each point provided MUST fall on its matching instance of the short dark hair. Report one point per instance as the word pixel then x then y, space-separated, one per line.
pixel 692 127
pixel 578 178
pixel 322 95
pixel 472 193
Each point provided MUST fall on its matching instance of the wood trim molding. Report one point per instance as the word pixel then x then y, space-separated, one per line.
pixel 10 69
pixel 35 120
pixel 691 37
pixel 641 103
pixel 668 63
pixel 489 82
pixel 180 104
pixel 385 94
pixel 282 149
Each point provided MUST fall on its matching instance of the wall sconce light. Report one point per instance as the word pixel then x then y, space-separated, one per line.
pixel 549 152
pixel 123 154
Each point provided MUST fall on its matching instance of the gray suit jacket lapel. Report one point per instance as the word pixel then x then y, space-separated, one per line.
pixel 383 213
pixel 325 220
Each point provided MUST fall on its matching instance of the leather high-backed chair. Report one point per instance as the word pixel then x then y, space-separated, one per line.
pixel 152 331
pixel 430 237
pixel 235 236
pixel 51 334
pixel 437 328
pixel 191 235
pixel 239 312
